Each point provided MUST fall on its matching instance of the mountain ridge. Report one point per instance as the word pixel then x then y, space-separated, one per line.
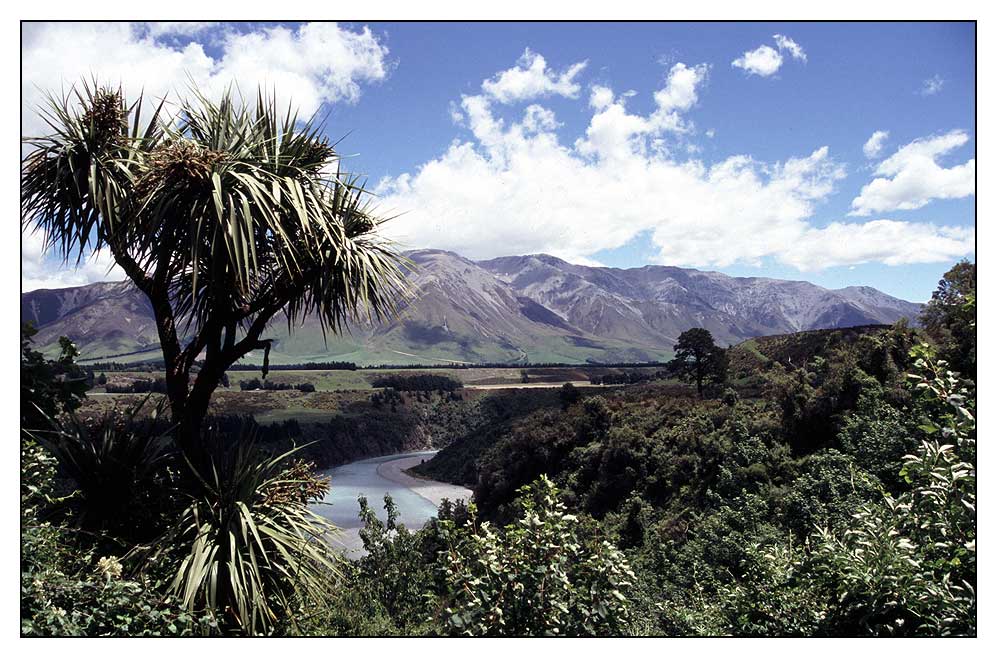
pixel 511 309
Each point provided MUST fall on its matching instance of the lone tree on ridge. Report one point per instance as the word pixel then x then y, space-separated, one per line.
pixel 699 360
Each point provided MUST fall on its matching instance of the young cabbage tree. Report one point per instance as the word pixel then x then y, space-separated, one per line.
pixel 226 214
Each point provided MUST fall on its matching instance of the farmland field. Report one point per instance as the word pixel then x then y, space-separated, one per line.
pixel 362 380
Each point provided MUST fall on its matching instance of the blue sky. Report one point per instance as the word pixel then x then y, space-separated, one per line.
pixel 719 146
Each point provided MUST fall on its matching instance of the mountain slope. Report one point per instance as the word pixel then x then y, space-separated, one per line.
pixel 460 312
pixel 103 318
pixel 511 310
pixel 654 304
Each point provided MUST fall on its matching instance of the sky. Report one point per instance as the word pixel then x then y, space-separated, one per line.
pixel 838 153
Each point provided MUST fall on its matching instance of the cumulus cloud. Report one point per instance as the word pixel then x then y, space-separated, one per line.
pixel 790 46
pixel 932 85
pixel 517 187
pixel 765 60
pixel 531 78
pixel 911 177
pixel 601 98
pixel 874 145
pixel 178 28
pixel 38 271
pixel 879 241
pixel 312 64
pixel 539 119
pixel 614 133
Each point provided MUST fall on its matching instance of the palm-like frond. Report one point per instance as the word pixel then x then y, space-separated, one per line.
pixel 230 205
pixel 76 182
pixel 115 464
pixel 244 552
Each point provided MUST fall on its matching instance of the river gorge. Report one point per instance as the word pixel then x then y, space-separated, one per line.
pixel 417 499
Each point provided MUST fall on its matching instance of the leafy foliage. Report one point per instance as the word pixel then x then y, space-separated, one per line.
pixel 800 507
pixel 72 585
pixel 157 385
pixel 950 318
pixel 903 565
pixel 48 388
pixel 424 382
pixel 826 493
pixel 698 359
pixel 118 467
pixel 537 576
pixel 397 567
pixel 247 546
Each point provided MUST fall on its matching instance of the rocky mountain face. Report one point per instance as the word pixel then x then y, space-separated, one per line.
pixel 655 304
pixel 511 310
pixel 102 318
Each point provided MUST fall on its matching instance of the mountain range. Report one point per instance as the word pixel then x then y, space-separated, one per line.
pixel 513 309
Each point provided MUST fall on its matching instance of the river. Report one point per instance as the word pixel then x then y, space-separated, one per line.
pixel 417 499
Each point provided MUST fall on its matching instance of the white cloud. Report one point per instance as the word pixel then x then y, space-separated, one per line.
pixel 313 64
pixel 787 44
pixel 178 28
pixel 601 98
pixel 763 61
pixel 879 241
pixel 680 91
pixel 39 271
pixel 516 189
pixel 539 119
pixel 932 85
pixel 614 133
pixel 911 177
pixel 531 78
pixel 874 145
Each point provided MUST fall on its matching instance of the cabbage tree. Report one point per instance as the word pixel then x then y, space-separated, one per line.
pixel 226 214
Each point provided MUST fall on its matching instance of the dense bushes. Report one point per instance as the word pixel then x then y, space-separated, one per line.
pixel 766 515
pixel 424 382
pixel 546 573
pixel 903 565
pixel 537 576
pixel 311 365
pixel 950 318
pixel 268 385
pixel 122 536
pixel 248 549
pixel 157 385
pixel 48 387
pixel 166 546
pixel 630 377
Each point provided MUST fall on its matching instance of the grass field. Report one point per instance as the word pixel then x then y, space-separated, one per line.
pixel 361 380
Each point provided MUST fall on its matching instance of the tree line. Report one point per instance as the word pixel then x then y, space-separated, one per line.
pixel 425 382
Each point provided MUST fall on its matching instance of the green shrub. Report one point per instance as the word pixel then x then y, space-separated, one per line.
pixel 118 468
pixel 247 547
pixel 48 388
pixel 903 565
pixel 69 587
pixel 537 576
pixel 907 566
pixel 879 436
